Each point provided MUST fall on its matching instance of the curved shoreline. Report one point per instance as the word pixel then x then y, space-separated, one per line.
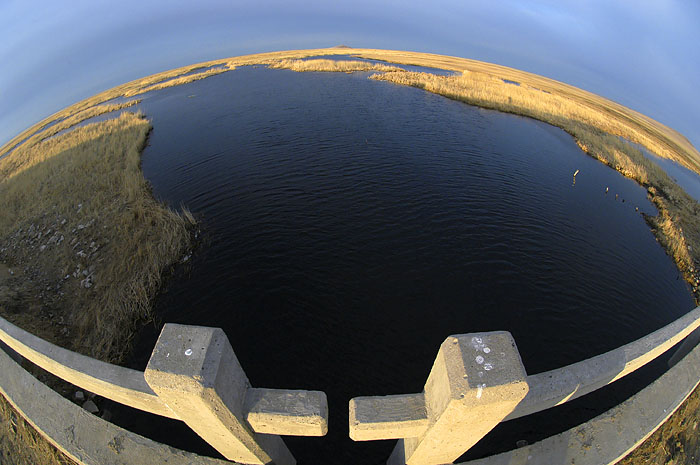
pixel 592 120
pixel 677 227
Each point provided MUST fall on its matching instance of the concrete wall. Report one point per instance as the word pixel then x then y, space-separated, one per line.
pixel 193 376
pixel 84 437
pixel 470 372
pixel 611 436
pixel 431 430
pixel 113 382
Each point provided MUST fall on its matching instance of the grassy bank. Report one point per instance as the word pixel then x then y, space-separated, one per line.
pixel 94 105
pixel 84 238
pixel 676 442
pixel 658 138
pixel 20 444
pixel 69 122
pixel 677 227
pixel 337 66
pixel 666 142
pixel 177 81
pixel 84 246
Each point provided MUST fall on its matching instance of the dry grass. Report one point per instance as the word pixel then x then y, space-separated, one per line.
pixel 676 442
pixel 661 139
pixel 88 244
pixel 678 225
pixel 179 80
pixel 157 81
pixel 342 66
pixel 16 433
pixel 492 91
pixel 85 238
pixel 78 118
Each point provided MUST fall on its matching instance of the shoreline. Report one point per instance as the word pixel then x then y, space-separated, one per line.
pixel 677 227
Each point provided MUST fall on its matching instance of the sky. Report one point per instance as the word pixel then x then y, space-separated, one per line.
pixel 641 53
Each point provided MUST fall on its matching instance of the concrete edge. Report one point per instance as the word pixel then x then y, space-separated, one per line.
pixel 84 437
pixel 373 418
pixel 609 437
pixel 119 384
pixel 561 385
pixel 287 412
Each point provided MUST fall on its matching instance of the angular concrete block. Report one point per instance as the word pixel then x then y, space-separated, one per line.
pixel 387 417
pixel 196 374
pixel 477 379
pixel 287 412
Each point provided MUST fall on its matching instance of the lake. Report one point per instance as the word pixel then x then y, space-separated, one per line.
pixel 349 226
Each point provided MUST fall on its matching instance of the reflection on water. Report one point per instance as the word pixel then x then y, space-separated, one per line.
pixel 352 225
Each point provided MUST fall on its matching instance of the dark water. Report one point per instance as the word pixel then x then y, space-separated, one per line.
pixel 687 179
pixel 352 225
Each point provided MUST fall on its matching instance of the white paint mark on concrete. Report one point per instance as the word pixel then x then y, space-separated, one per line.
pixel 488 366
pixel 188 352
pixel 478 343
pixel 486 350
pixel 479 359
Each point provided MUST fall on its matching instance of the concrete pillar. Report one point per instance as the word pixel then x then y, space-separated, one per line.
pixel 477 379
pixel 194 371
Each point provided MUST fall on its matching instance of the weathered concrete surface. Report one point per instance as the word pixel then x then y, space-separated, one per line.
pixel 84 437
pixel 558 386
pixel 685 348
pixel 388 417
pixel 611 436
pixel 287 412
pixel 110 381
pixel 476 380
pixel 194 371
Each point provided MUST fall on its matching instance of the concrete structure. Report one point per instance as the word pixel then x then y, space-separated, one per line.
pixel 555 387
pixel 209 376
pixel 200 384
pixel 82 436
pixel 117 383
pixel 477 379
pixel 196 374
pixel 611 436
pixel 412 418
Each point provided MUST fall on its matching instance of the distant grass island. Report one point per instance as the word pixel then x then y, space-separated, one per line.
pixel 84 246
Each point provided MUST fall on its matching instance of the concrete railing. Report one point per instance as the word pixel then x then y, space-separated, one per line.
pixel 193 375
pixel 477 381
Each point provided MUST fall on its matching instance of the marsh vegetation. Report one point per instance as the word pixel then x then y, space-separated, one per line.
pixel 20 444
pixel 597 133
pixel 85 245
pixel 82 241
pixel 84 237
pixel 342 66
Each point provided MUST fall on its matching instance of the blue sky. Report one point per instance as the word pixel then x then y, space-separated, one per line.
pixel 641 53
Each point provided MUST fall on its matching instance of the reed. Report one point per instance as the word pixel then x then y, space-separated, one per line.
pixel 342 66
pixel 89 245
pixel 87 241
pixel 602 136
pixel 78 118
pixel 16 433
pixel 178 81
